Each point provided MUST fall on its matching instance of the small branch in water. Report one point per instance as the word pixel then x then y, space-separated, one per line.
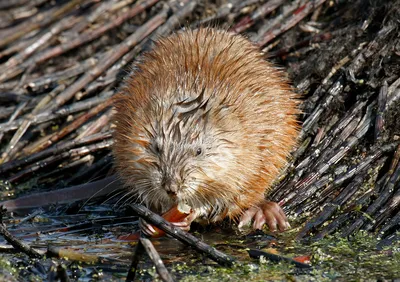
pixel 17 244
pixel 155 258
pixel 182 236
pixel 139 250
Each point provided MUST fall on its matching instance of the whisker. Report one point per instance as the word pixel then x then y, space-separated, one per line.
pixel 128 193
pixel 113 196
pixel 127 200
pixel 99 191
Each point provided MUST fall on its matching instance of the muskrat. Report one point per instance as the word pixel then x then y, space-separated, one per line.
pixel 204 120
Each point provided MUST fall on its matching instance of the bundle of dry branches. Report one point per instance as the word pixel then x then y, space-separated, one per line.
pixel 62 61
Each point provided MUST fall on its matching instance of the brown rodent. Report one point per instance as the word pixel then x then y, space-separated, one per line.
pixel 204 120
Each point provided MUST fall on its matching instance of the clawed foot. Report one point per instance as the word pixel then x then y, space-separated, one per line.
pixel 269 213
pixel 148 230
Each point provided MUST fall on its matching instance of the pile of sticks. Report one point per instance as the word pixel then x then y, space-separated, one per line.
pixel 62 61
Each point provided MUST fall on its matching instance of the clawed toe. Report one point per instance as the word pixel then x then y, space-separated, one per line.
pixel 247 217
pixel 269 213
pixel 184 225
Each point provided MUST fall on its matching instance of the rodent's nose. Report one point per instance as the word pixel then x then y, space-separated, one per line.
pixel 170 186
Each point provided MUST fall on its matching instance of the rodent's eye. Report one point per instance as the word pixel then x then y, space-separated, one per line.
pixel 198 152
pixel 157 148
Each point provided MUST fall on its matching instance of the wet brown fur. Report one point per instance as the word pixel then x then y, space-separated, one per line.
pixel 207 89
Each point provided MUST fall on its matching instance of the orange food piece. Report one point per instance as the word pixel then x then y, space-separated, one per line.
pixel 175 214
pixel 172 215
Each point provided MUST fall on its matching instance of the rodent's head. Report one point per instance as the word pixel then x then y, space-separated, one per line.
pixel 174 151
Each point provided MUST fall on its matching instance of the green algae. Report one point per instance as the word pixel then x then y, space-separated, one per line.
pixel 333 259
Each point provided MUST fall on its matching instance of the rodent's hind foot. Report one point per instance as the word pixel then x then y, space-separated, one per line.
pixel 269 213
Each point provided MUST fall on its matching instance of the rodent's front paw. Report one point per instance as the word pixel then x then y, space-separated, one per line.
pixel 151 231
pixel 184 225
pixel 269 213
pixel 146 228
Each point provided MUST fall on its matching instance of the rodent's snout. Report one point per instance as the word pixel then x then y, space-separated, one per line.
pixel 169 185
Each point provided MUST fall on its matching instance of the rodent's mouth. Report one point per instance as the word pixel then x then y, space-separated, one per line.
pixel 173 196
pixel 177 198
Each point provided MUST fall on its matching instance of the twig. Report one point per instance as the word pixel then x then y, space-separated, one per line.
pixel 93 34
pixel 47 141
pixel 98 11
pixel 297 16
pixel 223 12
pixel 173 22
pixel 386 210
pixel 392 224
pixel 139 250
pixel 97 125
pixel 16 113
pixel 155 258
pixel 11 3
pixel 47 18
pixel 373 46
pixel 379 121
pixel 141 33
pixel 17 244
pixel 42 41
pixel 333 93
pixel 54 159
pixel 339 201
pixel 50 115
pixel 182 236
pixel 29 217
pixel 304 188
pixel 261 12
pixel 384 195
pixel 37 84
pixel 10 150
pixel 55 150
pixel 306 42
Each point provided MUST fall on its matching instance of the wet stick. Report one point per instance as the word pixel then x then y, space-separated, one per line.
pixel 182 236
